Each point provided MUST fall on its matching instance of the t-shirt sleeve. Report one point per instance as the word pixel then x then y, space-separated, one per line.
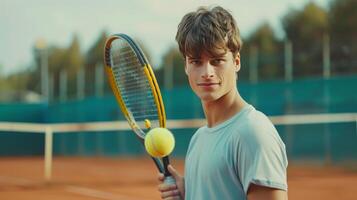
pixel 261 157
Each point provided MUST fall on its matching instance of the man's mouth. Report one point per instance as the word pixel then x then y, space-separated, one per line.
pixel 207 84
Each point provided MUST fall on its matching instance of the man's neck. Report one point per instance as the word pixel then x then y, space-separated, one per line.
pixel 223 108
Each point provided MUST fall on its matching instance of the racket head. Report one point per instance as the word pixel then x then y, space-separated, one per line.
pixel 134 84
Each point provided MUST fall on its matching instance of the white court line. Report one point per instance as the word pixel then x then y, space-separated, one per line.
pixel 99 194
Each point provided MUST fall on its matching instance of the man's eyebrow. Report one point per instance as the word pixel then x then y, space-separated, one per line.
pixel 192 58
pixel 219 56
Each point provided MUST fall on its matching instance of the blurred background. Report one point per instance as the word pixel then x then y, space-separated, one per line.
pixel 299 58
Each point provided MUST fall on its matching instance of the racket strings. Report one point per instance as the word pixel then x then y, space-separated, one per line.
pixel 128 71
pixel 134 86
pixel 130 84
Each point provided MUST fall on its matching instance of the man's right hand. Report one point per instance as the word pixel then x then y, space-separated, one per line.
pixel 172 192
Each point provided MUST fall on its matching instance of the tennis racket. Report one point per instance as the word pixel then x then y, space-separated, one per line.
pixel 136 90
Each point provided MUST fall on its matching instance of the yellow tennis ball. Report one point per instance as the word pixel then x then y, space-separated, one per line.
pixel 159 142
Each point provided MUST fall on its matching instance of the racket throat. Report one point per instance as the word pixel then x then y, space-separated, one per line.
pixel 159 165
pixel 166 162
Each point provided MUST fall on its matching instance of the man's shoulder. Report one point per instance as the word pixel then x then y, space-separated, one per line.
pixel 254 120
pixel 197 133
pixel 255 126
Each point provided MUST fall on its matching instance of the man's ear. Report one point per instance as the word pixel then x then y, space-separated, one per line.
pixel 237 62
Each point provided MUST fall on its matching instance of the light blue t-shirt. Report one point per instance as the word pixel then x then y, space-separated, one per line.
pixel 224 160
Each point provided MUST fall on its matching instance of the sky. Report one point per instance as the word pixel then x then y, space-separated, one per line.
pixel 153 22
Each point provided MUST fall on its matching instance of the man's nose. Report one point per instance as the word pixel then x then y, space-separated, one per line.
pixel 207 70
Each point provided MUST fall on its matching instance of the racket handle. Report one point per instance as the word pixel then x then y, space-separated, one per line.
pixel 169 180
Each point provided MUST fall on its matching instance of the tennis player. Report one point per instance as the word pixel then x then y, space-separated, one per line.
pixel 238 154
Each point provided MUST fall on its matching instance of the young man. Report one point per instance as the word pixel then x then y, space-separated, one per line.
pixel 238 154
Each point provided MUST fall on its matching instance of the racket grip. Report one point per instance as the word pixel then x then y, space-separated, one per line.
pixel 169 180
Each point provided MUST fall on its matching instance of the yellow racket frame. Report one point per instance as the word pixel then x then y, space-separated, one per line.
pixel 153 85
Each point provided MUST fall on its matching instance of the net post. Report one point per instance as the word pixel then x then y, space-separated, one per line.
pixel 48 152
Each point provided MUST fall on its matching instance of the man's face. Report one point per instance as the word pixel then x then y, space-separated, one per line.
pixel 212 77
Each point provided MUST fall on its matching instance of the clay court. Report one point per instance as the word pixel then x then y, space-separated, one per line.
pixel 78 178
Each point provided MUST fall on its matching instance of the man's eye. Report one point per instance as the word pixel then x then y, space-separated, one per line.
pixel 217 61
pixel 195 62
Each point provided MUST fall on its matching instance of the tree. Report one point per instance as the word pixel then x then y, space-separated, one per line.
pixel 3 83
pixel 343 20
pixel 68 58
pixel 268 49
pixel 73 61
pixel 94 56
pixel 172 71
pixel 306 28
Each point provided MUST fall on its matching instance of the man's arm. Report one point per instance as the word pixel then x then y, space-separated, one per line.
pixel 257 192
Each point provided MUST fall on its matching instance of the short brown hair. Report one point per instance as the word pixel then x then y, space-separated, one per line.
pixel 208 31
